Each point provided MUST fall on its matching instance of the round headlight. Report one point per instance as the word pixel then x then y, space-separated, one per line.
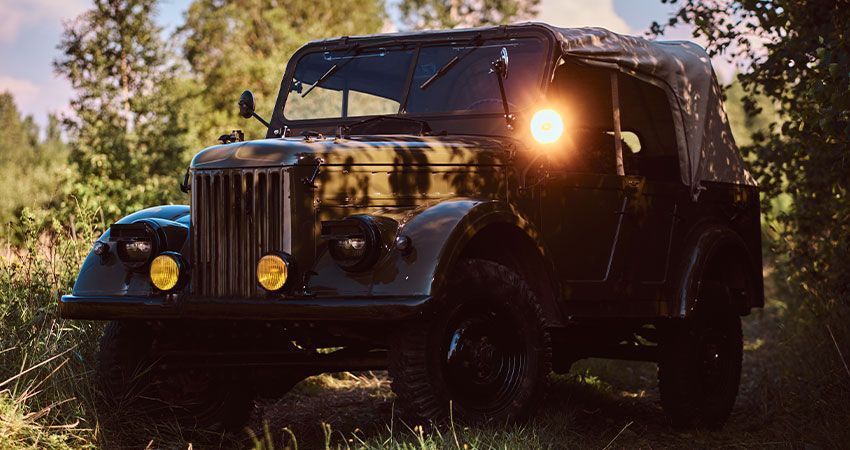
pixel 547 126
pixel 165 272
pixel 354 243
pixel 272 272
pixel 135 243
pixel 135 252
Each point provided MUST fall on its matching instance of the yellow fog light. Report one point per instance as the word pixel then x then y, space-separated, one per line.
pixel 272 272
pixel 165 272
pixel 547 126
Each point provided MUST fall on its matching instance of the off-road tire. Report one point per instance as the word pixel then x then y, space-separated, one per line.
pixel 131 382
pixel 697 390
pixel 420 360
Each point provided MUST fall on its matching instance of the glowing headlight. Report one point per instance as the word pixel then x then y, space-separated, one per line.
pixel 547 126
pixel 272 272
pixel 165 271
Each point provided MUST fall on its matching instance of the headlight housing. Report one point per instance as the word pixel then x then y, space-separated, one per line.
pixel 354 242
pixel 135 243
pixel 166 272
pixel 135 251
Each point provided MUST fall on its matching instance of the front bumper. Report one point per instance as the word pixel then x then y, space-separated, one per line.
pixel 378 309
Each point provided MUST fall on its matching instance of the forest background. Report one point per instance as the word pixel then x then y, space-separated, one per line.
pixel 144 102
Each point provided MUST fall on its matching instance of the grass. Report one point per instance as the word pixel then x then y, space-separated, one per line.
pixel 45 399
pixel 795 390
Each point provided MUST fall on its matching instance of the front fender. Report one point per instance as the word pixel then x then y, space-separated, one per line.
pixel 176 213
pixel 438 234
pixel 107 275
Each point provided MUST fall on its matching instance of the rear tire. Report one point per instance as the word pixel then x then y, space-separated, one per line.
pixel 483 356
pixel 700 367
pixel 134 383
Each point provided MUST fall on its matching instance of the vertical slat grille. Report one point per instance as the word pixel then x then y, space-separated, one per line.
pixel 237 216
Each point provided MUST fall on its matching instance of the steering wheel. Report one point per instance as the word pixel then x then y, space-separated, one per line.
pixel 483 101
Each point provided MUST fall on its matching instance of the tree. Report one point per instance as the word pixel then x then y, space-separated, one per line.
pixel 126 131
pixel 31 167
pixel 17 134
pixel 235 45
pixel 797 54
pixel 434 14
pixel 744 125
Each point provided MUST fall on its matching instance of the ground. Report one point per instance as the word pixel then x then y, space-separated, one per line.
pixel 599 404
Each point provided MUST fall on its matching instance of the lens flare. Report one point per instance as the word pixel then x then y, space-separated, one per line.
pixel 547 126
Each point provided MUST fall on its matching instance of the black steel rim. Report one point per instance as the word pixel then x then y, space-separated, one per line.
pixel 484 357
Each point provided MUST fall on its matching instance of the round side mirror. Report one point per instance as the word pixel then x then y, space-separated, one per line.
pixel 503 57
pixel 246 105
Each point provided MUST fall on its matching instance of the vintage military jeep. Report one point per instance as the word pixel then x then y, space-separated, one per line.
pixel 469 209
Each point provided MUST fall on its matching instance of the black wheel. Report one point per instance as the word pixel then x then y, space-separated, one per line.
pixel 134 382
pixel 700 367
pixel 483 356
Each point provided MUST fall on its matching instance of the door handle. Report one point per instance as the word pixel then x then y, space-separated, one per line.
pixel 633 185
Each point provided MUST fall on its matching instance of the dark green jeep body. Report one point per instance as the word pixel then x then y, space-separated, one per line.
pixel 405 187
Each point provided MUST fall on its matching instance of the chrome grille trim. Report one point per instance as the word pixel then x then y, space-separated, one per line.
pixel 237 216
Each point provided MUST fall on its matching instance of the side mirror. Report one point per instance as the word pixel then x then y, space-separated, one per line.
pixel 246 105
pixel 500 65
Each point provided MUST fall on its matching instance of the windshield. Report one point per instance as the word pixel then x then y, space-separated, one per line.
pixel 379 81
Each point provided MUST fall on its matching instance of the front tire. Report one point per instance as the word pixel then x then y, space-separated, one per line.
pixel 133 382
pixel 483 356
pixel 700 367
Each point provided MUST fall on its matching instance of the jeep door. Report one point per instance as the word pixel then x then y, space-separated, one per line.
pixel 581 214
pixel 653 186
pixel 609 226
pixel 582 199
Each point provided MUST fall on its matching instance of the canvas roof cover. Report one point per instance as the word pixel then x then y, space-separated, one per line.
pixel 707 150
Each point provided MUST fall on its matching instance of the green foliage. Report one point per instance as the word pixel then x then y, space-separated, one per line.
pixel 798 54
pixel 127 133
pixel 44 361
pixel 429 14
pixel 233 46
pixel 32 167
pixel 744 125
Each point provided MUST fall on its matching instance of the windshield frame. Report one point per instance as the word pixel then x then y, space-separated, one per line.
pixel 413 41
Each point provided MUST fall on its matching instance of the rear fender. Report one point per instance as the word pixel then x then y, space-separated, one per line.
pixel 707 246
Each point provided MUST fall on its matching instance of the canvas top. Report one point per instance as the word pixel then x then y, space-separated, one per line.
pixel 707 149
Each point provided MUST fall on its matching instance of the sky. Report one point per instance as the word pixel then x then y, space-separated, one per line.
pixel 30 31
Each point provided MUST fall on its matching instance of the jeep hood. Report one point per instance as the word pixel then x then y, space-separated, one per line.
pixel 361 150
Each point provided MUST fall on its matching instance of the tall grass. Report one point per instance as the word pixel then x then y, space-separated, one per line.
pixel 45 362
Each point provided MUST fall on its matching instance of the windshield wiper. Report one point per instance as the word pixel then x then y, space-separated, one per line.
pixel 334 68
pixel 321 79
pixel 372 123
pixel 355 49
pixel 475 41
